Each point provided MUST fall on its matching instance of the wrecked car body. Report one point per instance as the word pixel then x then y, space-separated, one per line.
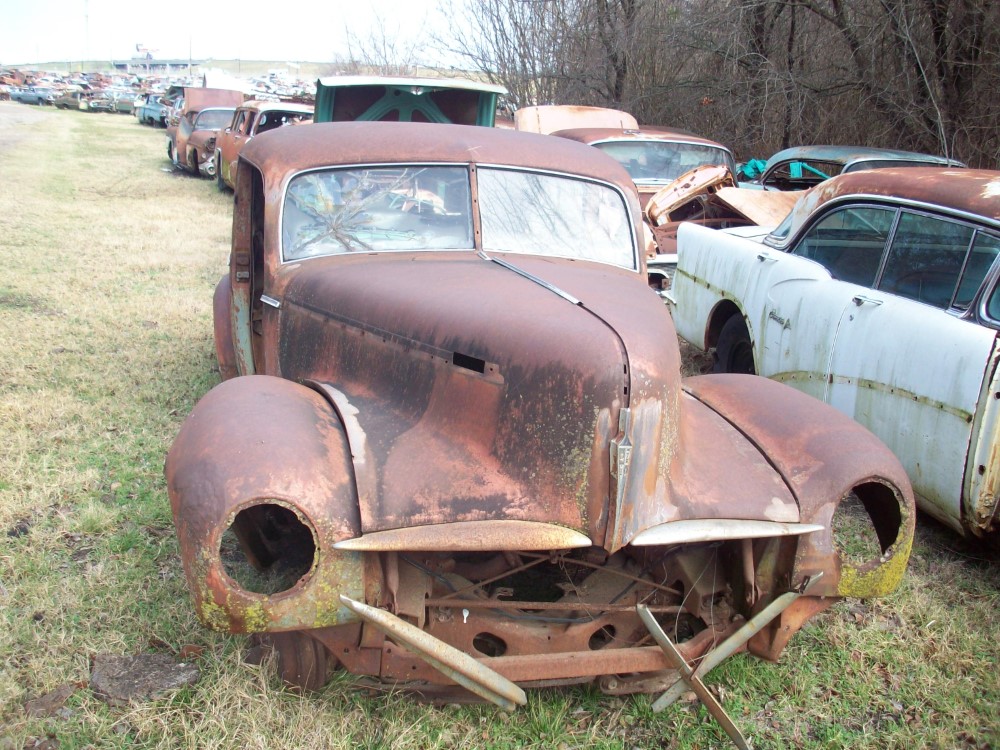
pixel 192 146
pixel 802 167
pixel 879 294
pixel 250 119
pixel 492 477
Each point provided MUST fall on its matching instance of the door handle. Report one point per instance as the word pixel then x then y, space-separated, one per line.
pixel 860 299
pixel 765 258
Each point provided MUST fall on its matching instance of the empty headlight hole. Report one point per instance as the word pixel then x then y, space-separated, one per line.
pixel 866 523
pixel 489 645
pixel 601 637
pixel 267 549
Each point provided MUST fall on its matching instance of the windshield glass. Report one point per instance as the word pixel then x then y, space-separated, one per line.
pixel 430 208
pixel 662 161
pixel 212 119
pixel 380 208
pixel 545 214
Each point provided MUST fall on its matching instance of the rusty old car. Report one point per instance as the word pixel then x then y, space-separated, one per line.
pixel 191 145
pixel 879 294
pixel 661 160
pixel 251 118
pixel 492 476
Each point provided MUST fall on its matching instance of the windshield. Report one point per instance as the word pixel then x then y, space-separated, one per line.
pixel 213 119
pixel 661 161
pixel 381 208
pixel 544 214
pixel 430 208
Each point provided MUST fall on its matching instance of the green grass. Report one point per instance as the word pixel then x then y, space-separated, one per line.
pixel 106 344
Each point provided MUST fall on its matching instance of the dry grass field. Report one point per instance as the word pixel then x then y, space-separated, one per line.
pixel 109 262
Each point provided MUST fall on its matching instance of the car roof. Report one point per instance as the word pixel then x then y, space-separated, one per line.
pixel 263 105
pixel 972 192
pixel 850 154
pixel 591 136
pixel 434 83
pixel 288 150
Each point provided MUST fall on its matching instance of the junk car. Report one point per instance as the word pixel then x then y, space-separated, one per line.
pixel 660 161
pixel 879 295
pixel 802 167
pixel 453 451
pixel 406 99
pixel 153 109
pixel 251 118
pixel 191 145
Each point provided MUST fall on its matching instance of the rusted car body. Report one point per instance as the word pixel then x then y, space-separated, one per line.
pixel 879 294
pixel 251 118
pixel 403 99
pixel 664 162
pixel 180 119
pixel 491 476
pixel 193 145
pixel 802 167
pixel 552 118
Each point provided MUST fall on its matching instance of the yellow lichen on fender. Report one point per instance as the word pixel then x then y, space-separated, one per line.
pixel 880 580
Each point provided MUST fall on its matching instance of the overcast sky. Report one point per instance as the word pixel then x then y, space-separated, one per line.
pixel 280 30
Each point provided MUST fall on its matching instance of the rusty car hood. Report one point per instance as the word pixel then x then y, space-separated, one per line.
pixel 504 401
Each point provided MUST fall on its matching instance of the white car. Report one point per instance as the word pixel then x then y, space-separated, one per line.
pixel 879 295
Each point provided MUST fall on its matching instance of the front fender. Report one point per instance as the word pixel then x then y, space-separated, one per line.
pixel 823 456
pixel 253 446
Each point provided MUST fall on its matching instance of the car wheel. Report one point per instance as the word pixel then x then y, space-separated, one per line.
pixel 734 352
pixel 303 662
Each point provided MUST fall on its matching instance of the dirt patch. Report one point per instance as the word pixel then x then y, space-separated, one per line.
pixel 13 116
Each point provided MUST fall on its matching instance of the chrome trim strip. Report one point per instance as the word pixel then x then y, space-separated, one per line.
pixel 710 530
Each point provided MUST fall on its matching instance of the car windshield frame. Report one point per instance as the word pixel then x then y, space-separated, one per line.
pixel 651 175
pixel 322 186
pixel 209 114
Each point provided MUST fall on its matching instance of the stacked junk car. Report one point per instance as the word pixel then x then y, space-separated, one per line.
pixel 453 453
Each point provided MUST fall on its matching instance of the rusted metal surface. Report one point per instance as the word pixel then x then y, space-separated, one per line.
pixel 251 118
pixel 467 446
pixel 550 118
pixel 974 192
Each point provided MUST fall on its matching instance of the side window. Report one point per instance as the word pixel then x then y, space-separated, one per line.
pixel 248 126
pixel 985 249
pixel 237 125
pixel 849 242
pixel 926 259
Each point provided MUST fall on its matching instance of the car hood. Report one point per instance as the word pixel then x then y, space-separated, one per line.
pixel 470 392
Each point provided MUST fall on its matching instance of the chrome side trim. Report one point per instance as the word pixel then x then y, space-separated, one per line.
pixel 710 530
pixel 470 536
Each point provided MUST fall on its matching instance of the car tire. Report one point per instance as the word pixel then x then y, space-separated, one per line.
pixel 303 662
pixel 734 351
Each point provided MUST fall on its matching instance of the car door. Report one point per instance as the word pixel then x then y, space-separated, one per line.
pixel 227 144
pixel 805 293
pixel 905 364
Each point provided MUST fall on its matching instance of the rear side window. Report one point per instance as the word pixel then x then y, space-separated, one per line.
pixel 926 259
pixel 985 249
pixel 849 242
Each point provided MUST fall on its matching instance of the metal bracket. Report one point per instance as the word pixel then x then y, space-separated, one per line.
pixel 457 665
pixel 691 678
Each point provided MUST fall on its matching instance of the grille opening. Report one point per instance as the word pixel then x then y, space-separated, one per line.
pixel 267 549
pixel 469 363
pixel 601 638
pixel 866 523
pixel 489 645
